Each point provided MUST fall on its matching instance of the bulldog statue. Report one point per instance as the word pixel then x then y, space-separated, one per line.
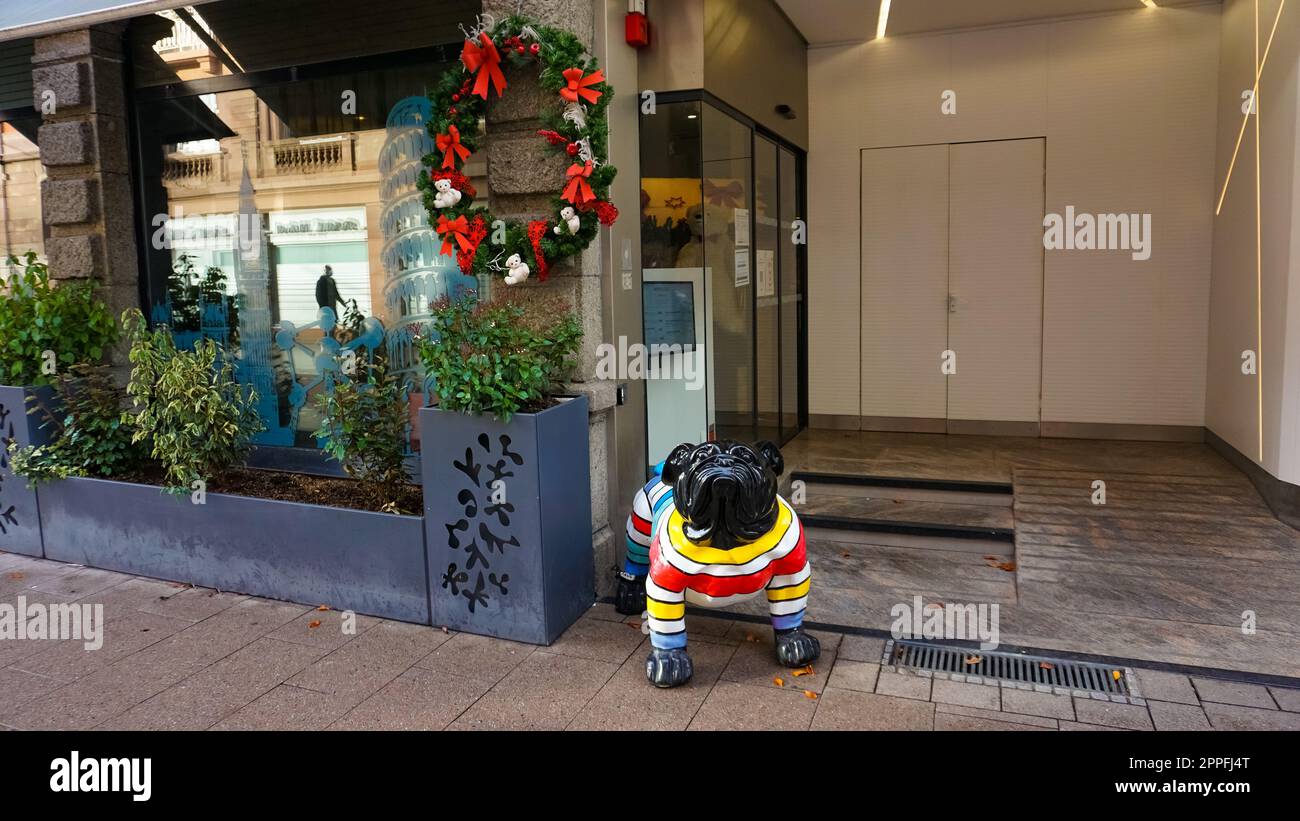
pixel 711 530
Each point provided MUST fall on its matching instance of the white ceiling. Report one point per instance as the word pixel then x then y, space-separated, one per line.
pixel 838 21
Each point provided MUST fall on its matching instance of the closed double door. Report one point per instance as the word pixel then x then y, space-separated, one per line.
pixel 952 285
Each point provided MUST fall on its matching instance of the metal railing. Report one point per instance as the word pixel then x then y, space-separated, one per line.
pixel 312 156
pixel 194 169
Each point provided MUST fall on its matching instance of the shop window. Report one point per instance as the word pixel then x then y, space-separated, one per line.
pixel 21 174
pixel 283 208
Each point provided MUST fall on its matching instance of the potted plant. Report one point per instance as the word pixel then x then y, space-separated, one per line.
pixel 45 330
pixel 507 506
pixel 189 510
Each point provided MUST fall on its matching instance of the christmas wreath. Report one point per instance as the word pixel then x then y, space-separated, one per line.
pixel 578 130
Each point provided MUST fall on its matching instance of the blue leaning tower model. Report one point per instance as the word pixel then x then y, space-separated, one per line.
pixel 416 273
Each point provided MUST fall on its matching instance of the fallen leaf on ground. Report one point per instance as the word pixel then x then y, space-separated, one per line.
pixel 1010 567
pixel 803 671
pixel 810 694
pixel 973 659
pixel 751 637
pixel 1115 674
pixel 778 681
pixel 992 558
pixel 324 608
pixel 1046 665
pixel 314 624
pixel 16 576
pixel 844 554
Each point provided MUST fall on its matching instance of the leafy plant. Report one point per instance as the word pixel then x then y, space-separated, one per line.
pixel 188 293
pixel 363 425
pixel 501 357
pixel 196 419
pixel 88 434
pixel 37 316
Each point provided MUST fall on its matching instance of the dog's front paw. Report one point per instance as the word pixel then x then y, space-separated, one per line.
pixel 795 648
pixel 668 668
pixel 629 599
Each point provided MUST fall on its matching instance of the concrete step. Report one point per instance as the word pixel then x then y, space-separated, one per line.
pixel 971 517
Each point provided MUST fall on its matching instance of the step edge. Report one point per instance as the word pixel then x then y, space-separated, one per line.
pixel 863 480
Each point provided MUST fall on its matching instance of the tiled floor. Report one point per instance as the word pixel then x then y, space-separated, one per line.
pixel 176 657
pixel 1181 556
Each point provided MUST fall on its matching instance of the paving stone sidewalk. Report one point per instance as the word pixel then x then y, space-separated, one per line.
pixel 178 657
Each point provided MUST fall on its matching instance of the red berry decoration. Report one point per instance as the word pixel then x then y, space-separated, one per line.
pixel 572 148
pixel 455 98
pixel 451 112
pixel 535 48
pixel 519 49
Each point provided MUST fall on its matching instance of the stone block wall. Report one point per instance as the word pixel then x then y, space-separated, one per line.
pixel 524 173
pixel 86 202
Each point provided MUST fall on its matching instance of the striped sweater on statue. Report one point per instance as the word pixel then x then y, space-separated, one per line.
pixel 649 505
pixel 682 571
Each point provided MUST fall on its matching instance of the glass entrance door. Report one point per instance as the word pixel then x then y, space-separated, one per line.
pixel 722 276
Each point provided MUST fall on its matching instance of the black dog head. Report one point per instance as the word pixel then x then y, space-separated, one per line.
pixel 725 491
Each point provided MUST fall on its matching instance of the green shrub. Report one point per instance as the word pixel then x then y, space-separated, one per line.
pixel 363 425
pixel 37 316
pixel 196 419
pixel 501 357
pixel 88 434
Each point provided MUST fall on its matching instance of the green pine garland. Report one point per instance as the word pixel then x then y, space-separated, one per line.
pixel 554 51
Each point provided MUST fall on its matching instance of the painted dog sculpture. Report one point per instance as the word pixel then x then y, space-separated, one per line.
pixel 711 530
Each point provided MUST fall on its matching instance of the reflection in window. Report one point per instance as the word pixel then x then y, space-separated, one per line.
pixel 21 174
pixel 286 219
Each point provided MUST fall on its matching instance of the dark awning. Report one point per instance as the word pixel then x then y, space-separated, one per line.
pixel 37 18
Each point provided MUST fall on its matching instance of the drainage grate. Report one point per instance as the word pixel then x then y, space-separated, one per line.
pixel 1041 673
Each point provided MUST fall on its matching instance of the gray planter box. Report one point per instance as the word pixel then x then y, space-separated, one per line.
pixel 20 525
pixel 521 568
pixel 371 563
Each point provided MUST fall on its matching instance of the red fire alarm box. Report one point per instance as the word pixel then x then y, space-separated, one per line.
pixel 637 25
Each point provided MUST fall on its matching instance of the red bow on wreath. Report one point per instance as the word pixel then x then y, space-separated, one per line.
pixel 486 60
pixel 578 85
pixel 453 232
pixel 579 190
pixel 449 145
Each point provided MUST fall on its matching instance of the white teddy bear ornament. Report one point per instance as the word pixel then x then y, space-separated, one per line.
pixel 569 219
pixel 518 270
pixel 446 196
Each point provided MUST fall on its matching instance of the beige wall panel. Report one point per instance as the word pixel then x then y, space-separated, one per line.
pixel 904 280
pixel 1232 399
pixel 995 269
pixel 1000 79
pixel 1129 116
pixel 834 225
pixel 898 85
